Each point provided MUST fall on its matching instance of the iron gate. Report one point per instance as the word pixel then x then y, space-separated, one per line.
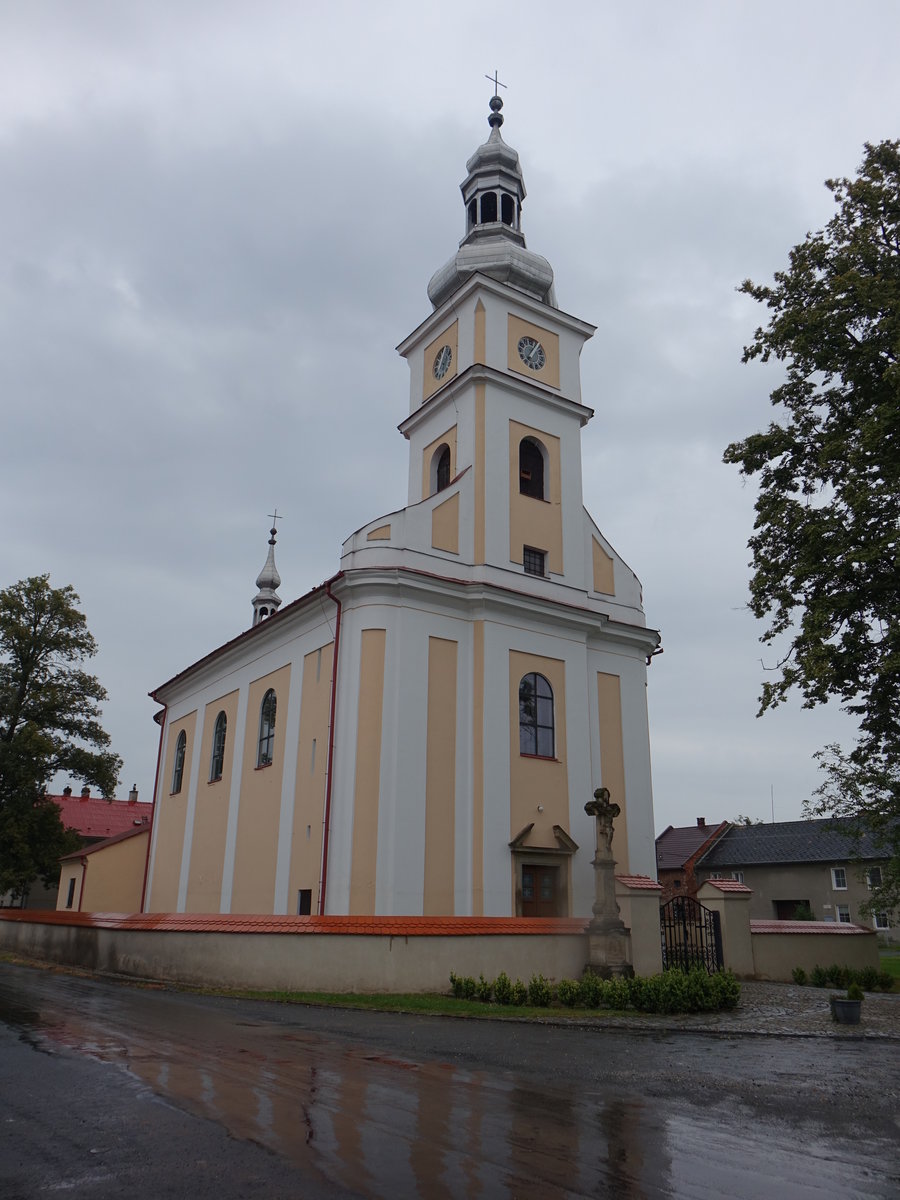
pixel 691 935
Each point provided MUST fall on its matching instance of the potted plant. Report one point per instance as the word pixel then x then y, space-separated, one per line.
pixel 846 1009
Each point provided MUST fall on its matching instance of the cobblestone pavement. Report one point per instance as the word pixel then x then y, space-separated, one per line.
pixel 782 1009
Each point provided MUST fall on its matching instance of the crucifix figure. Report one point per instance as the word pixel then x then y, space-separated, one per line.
pixel 605 812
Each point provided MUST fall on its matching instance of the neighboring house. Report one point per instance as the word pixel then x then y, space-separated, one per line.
pixel 677 852
pixel 93 819
pixel 802 868
pixel 418 735
pixel 107 876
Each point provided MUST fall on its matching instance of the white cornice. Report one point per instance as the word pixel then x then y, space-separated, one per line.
pixel 543 313
pixel 479 373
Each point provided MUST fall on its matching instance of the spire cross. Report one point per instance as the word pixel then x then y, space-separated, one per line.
pixel 275 517
pixel 495 81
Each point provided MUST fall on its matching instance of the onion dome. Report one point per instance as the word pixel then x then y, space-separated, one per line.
pixel 493 191
pixel 266 601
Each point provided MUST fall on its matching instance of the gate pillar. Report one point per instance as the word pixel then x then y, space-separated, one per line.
pixel 731 900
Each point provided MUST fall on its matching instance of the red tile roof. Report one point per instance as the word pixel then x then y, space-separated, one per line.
pixel 729 885
pixel 235 923
pixel 639 881
pixel 806 927
pixel 94 817
pixel 110 841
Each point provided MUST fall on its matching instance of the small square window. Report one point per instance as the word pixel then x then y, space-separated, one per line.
pixel 839 879
pixel 533 561
pixel 737 876
pixel 843 914
pixel 881 920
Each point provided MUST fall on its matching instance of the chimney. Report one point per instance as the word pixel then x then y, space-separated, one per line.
pixel 67 791
pixel 701 822
pixel 133 794
pixel 85 793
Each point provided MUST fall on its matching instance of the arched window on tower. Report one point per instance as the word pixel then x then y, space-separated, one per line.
pixel 488 207
pixel 178 766
pixel 507 209
pixel 473 213
pixel 443 469
pixel 266 749
pixel 536 724
pixel 531 468
pixel 217 759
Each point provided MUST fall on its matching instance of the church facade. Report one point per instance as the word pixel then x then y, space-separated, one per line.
pixel 419 734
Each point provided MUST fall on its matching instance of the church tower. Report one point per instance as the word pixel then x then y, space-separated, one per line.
pixel 419 734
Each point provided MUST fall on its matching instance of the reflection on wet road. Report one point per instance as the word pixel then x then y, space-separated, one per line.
pixel 349 1107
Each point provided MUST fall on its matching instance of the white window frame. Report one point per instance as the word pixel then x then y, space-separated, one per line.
pixel 881 920
pixel 737 876
pixel 838 872
pixel 843 914
pixel 869 883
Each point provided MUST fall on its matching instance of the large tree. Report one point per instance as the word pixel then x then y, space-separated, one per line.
pixel 826 571
pixel 49 722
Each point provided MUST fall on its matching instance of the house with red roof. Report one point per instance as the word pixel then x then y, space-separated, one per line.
pixel 678 849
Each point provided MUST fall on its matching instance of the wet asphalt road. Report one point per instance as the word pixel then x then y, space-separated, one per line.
pixel 108 1090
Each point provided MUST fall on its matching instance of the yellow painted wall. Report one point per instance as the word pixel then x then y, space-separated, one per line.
pixel 449 337
pixel 477 768
pixel 549 373
pixel 440 778
pixel 536 523
pixel 480 334
pixel 479 473
pixel 604 574
pixel 169 822
pixel 115 876
pixel 204 890
pixel 309 797
pixel 368 770
pixel 612 758
pixel 538 781
pixel 381 534
pixel 69 871
pixel 428 454
pixel 445 525
pixel 253 889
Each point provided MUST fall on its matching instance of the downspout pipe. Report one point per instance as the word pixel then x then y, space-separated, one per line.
pixel 330 764
pixel 160 718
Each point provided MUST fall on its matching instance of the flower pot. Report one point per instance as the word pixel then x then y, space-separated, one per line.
pixel 845 1012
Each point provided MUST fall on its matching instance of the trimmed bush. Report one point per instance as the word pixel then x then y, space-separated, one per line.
pixel 838 975
pixel 885 981
pixel 798 975
pixel 483 989
pixel 867 978
pixel 568 992
pixel 818 976
pixel 591 990
pixel 503 989
pixel 519 994
pixel 854 992
pixel 539 993
pixel 463 986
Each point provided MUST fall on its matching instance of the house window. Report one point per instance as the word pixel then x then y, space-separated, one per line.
pixel 266 730
pixel 178 767
pixel 536 727
pixel 217 761
pixel 531 469
pixel 738 876
pixel 873 878
pixel 839 879
pixel 880 920
pixel 843 913
pixel 304 902
pixel 533 561
pixel 70 895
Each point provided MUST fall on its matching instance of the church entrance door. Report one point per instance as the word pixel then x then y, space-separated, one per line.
pixel 540 891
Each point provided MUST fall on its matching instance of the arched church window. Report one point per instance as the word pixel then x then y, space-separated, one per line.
pixel 443 469
pixel 536 725
pixel 178 766
pixel 217 760
pixel 473 213
pixel 507 209
pixel 531 469
pixel 488 207
pixel 266 748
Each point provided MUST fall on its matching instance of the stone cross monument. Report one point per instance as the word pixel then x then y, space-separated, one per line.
pixel 609 942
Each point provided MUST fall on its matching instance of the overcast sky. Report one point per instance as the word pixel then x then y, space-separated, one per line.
pixel 219 218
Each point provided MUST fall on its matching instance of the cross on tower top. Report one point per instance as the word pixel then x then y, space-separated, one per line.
pixel 495 81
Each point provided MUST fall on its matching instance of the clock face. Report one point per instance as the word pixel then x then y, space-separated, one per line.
pixel 442 361
pixel 531 353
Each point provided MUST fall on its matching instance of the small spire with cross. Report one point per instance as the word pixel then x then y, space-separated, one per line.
pixel 495 81
pixel 495 120
pixel 275 518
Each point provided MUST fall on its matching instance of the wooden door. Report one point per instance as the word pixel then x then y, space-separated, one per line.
pixel 540 891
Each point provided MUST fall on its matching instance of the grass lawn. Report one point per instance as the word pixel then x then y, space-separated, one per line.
pixel 890 962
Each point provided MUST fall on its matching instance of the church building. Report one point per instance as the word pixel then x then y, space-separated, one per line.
pixel 419 734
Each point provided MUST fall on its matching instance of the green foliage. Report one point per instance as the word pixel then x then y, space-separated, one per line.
pixel 867 978
pixel 539 992
pixel 838 975
pixel 503 989
pixel 519 994
pixel 798 975
pixel 483 989
pixel 818 976
pixel 854 992
pixel 885 981
pixel 463 986
pixel 824 546
pixel 591 990
pixel 568 992
pixel 803 912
